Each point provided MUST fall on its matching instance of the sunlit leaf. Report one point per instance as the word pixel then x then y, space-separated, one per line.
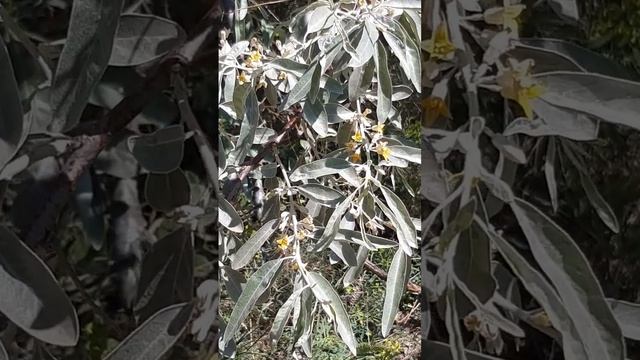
pixel 385 88
pixel 257 284
pixel 245 254
pixel 318 168
pixel 334 308
pixel 397 278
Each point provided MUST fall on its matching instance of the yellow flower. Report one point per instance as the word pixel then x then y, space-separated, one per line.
pixel 383 150
pixel 434 108
pixel 283 242
pixel 518 85
pixel 362 3
pixel 366 112
pixel 355 157
pixel 440 47
pixel 301 234
pixel 294 266
pixel 282 75
pixel 357 137
pixel 255 56
pixel 243 78
pixel 506 16
pixel 378 128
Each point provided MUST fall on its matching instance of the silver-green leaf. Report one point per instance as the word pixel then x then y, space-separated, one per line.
pixel 245 254
pixel 334 308
pixel 396 281
pixel 257 284
pixel 569 271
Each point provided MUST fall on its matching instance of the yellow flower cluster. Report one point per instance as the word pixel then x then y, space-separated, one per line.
pixel 517 84
pixel 383 150
pixel 355 145
pixel 283 242
pixel 440 47
pixel 253 60
pixel 434 108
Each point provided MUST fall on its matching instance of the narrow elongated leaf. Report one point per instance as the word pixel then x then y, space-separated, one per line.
pixel 166 277
pixel 155 336
pixel 344 251
pixel 333 224
pixel 333 306
pixel 406 153
pixel 287 65
pixel 628 315
pixel 360 79
pixel 302 87
pixel 403 242
pixel 432 184
pixel 538 286
pixel 228 216
pixel 257 284
pixel 37 303
pixel 282 316
pixel 585 59
pixel 601 206
pixel 555 120
pixel 453 327
pixel 550 173
pixel 83 60
pixel 569 271
pixel 545 59
pixel 407 51
pixel 247 251
pixel 511 150
pixel 248 128
pixel 11 124
pixel 323 195
pixel 355 271
pixel 610 99
pixel 402 217
pixel 316 115
pixel 143 38
pixel 461 222
pixel 396 281
pixel 318 168
pixel 356 237
pixel 472 264
pixel 385 88
pixel 360 45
